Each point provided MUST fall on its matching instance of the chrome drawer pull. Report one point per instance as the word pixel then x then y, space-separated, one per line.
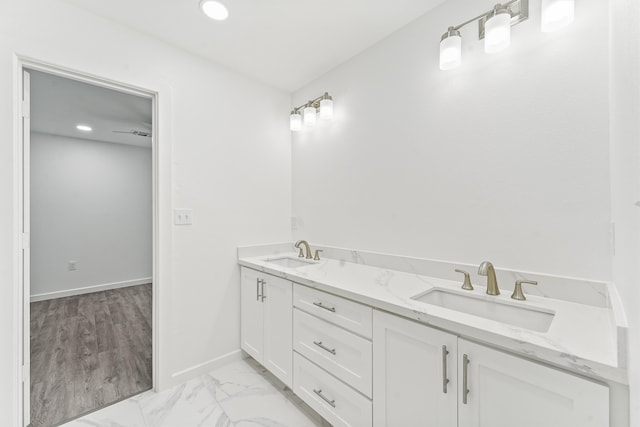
pixel 445 380
pixel 319 304
pixel 319 393
pixel 465 380
pixel 330 350
pixel 260 289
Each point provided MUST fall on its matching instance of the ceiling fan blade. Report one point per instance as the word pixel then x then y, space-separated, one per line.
pixel 134 132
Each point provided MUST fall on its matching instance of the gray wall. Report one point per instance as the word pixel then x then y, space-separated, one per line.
pixel 91 202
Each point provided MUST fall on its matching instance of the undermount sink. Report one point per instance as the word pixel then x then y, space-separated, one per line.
pixel 289 262
pixel 512 314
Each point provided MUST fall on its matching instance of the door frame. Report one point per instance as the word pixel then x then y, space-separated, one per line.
pixel 22 287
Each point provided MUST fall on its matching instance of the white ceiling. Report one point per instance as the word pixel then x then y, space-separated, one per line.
pixel 286 43
pixel 59 104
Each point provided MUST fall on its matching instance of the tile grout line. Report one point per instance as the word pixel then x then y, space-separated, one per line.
pixel 144 419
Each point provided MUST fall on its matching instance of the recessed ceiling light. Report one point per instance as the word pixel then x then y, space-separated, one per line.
pixel 214 10
pixel 84 128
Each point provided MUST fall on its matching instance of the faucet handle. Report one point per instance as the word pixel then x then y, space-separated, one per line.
pixel 467 280
pixel 316 256
pixel 517 291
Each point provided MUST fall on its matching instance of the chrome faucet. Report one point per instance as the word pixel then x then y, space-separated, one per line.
pixel 306 245
pixel 486 269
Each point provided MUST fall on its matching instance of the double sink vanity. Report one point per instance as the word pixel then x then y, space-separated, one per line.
pixel 368 345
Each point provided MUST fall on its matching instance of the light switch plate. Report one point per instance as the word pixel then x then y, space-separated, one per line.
pixel 183 216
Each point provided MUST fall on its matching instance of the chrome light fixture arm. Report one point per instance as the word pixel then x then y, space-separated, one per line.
pixel 494 26
pixel 315 103
pixel 521 13
pixel 322 104
pixel 497 22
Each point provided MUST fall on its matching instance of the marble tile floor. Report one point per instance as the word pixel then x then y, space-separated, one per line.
pixel 240 394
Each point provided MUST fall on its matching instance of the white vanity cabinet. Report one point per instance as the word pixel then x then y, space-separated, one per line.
pixel 266 310
pixel 414 374
pixel 507 391
pixel 411 368
pixel 359 366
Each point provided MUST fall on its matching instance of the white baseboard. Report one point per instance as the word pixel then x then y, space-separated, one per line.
pixel 89 289
pixel 204 367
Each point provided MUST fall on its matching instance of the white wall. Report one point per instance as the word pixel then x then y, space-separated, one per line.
pixel 625 174
pixel 523 158
pixel 503 159
pixel 91 202
pixel 236 177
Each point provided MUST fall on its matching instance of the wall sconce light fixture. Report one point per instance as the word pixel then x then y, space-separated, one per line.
pixel 494 26
pixel 497 29
pixel 321 106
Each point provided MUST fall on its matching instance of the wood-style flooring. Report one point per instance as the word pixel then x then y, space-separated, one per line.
pixel 88 351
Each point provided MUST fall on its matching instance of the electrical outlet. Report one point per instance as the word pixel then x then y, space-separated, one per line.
pixel 183 216
pixel 73 265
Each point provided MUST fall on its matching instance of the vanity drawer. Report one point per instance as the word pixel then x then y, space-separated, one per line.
pixel 347 314
pixel 332 399
pixel 345 355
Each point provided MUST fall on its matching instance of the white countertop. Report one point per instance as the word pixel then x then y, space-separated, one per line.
pixel 581 338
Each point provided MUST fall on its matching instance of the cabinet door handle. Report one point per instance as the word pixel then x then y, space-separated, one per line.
pixel 465 375
pixel 330 350
pixel 323 397
pixel 445 380
pixel 260 289
pixel 319 304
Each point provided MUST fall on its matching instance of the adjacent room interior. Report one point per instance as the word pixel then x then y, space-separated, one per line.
pixel 91 247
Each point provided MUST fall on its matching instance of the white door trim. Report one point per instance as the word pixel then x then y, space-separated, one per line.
pixel 161 201
pixel 25 362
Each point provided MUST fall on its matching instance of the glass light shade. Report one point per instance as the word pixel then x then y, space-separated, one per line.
pixel 497 32
pixel 556 14
pixel 309 114
pixel 326 109
pixel 450 52
pixel 295 122
pixel 214 10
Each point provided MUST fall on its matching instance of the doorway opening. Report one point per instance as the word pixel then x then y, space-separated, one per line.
pixel 88 224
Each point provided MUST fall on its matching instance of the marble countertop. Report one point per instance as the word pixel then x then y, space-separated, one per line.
pixel 581 338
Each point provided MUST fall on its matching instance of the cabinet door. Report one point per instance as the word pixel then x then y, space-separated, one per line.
pixel 507 391
pixel 411 368
pixel 278 328
pixel 251 312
